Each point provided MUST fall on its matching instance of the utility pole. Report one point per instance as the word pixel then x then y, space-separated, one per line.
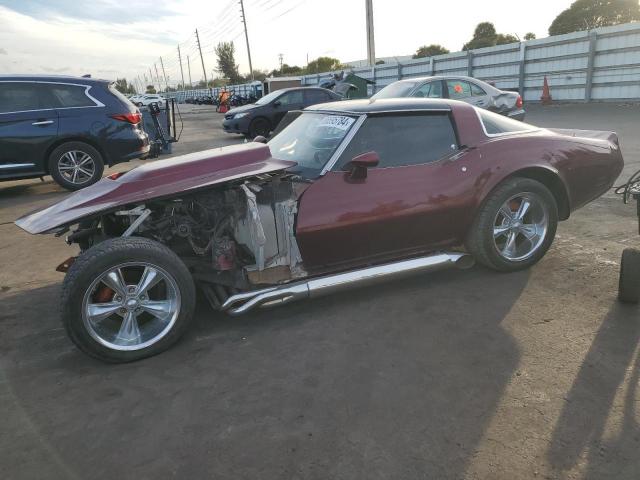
pixel 371 47
pixel 166 85
pixel 151 79
pixel 181 71
pixel 204 71
pixel 246 37
pixel 157 77
pixel 189 67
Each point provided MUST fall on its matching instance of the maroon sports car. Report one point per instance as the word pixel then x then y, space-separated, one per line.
pixel 346 194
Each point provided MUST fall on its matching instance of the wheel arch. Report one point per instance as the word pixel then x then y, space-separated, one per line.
pixel 553 182
pixel 62 141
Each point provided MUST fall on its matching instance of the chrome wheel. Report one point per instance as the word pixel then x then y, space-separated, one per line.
pixel 76 167
pixel 131 306
pixel 520 226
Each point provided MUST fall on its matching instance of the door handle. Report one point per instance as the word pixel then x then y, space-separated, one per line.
pixel 42 122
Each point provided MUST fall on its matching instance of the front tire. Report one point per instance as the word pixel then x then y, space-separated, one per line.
pixel 515 226
pixel 259 127
pixel 126 299
pixel 75 165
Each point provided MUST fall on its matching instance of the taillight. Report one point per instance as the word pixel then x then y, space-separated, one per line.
pixel 131 117
pixel 519 102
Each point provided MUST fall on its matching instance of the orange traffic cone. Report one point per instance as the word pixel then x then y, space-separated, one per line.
pixel 546 95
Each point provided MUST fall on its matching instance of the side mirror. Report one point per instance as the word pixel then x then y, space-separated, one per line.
pixel 276 104
pixel 359 165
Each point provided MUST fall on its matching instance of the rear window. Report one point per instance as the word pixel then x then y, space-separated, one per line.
pixel 69 96
pixel 496 124
pixel 121 97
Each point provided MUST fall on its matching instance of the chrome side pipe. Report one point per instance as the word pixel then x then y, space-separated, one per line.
pixel 317 287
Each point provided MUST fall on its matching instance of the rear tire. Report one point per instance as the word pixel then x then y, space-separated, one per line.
pixel 112 313
pixel 629 283
pixel 75 165
pixel 501 238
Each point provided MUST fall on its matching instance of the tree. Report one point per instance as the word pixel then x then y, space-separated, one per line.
pixel 287 70
pixel 430 51
pixel 324 64
pixel 151 89
pixel 123 86
pixel 588 14
pixel 485 35
pixel 225 51
pixel 503 38
pixel 530 36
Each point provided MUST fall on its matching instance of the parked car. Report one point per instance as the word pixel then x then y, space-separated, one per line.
pixel 467 89
pixel 66 127
pixel 347 194
pixel 262 117
pixel 150 98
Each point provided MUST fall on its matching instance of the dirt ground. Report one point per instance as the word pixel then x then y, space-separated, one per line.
pixel 452 375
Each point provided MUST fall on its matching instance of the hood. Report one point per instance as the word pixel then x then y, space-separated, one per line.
pixel 159 179
pixel 243 108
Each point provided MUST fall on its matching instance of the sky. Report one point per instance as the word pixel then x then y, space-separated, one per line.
pixel 114 38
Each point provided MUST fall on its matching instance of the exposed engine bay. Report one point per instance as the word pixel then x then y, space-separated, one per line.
pixel 237 236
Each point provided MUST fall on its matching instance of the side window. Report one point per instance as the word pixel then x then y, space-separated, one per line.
pixel 495 124
pixel 403 139
pixel 429 90
pixel 69 96
pixel 313 97
pixel 291 98
pixel 477 91
pixel 19 97
pixel 458 89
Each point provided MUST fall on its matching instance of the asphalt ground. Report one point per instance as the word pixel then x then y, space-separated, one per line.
pixel 452 375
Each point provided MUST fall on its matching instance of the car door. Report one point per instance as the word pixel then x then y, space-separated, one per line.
pixel 291 100
pixel 479 97
pixel 409 203
pixel 458 90
pixel 28 126
pixel 468 92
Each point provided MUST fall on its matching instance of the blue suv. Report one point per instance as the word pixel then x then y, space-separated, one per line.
pixel 66 127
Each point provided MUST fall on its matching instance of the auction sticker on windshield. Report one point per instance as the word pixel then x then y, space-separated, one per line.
pixel 337 121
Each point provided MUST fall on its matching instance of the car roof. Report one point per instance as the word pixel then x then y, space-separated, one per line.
pixel 52 78
pixel 307 87
pixel 444 77
pixel 387 105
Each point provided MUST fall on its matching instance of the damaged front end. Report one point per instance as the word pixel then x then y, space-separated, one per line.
pixel 235 237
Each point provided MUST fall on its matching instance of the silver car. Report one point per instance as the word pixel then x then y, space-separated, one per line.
pixel 470 90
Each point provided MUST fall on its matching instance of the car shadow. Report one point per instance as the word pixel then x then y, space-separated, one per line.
pixel 394 381
pixel 27 195
pixel 582 434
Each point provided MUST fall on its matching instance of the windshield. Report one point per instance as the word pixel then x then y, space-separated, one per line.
pixel 310 140
pixel 396 90
pixel 267 98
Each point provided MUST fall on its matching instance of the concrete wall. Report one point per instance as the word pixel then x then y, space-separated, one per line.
pixel 600 64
